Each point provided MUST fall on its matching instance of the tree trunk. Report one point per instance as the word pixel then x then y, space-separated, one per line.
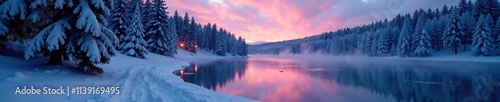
pixel 455 49
pixel 55 57
pixel 438 45
pixel 465 42
pixel 465 47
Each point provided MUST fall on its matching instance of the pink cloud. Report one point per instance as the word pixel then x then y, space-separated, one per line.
pixel 256 20
pixel 276 20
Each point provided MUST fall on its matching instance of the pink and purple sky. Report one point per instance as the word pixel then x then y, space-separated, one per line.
pixel 277 20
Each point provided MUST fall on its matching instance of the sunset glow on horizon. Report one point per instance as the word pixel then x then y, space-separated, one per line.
pixel 277 20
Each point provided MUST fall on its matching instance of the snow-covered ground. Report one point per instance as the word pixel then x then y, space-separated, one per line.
pixel 144 80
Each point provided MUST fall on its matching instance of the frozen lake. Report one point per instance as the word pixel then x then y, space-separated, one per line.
pixel 291 80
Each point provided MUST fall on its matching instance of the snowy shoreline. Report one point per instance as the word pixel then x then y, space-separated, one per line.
pixel 462 57
pixel 149 79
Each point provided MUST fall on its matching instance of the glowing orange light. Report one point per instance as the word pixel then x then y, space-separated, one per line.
pixel 182 72
pixel 195 46
pixel 195 68
pixel 182 45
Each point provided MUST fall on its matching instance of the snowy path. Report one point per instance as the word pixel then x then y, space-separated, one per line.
pixel 149 80
pixel 155 83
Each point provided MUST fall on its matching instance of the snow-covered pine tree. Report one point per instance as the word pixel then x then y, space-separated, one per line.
pixel 178 25
pixel 368 44
pixel 158 28
pixel 336 50
pixel 415 17
pixel 239 46
pixel 381 48
pixel 183 38
pixel 220 43
pixel 79 30
pixel 452 33
pixel 446 10
pixel 23 19
pixel 436 31
pixel 468 22
pixel 91 42
pixel 184 22
pixel 463 7
pixel 495 33
pixel 146 9
pixel 470 6
pixel 482 42
pixel 394 31
pixel 229 43
pixel 375 43
pixel 171 39
pixel 12 9
pixel 385 44
pixel 489 20
pixel 404 39
pixel 213 38
pixel 429 14
pixel 133 42
pixel 497 44
pixel 479 8
pixel 422 42
pixel 352 44
pixel 437 13
pixel 18 22
pixel 362 42
pixel 359 43
pixel 224 37
pixel 236 45
pixel 131 7
pixel 294 48
pixel 119 21
pixel 419 27
pixel 492 8
pixel 233 45
pixel 245 48
pixel 190 36
pixel 496 36
pixel 340 45
pixel 207 30
pixel 199 35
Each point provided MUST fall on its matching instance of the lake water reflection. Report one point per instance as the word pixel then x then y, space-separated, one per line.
pixel 289 80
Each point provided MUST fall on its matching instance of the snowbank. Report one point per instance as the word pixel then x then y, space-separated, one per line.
pixel 149 79
pixel 201 54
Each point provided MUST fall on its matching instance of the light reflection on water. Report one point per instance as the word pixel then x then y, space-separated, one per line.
pixel 286 80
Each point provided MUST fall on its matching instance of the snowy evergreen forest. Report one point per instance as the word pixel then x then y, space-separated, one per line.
pixel 90 32
pixel 468 26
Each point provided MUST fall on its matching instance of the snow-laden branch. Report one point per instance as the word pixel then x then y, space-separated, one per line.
pixel 50 38
pixel 11 8
pixel 87 19
pixel 90 45
pixel 58 4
